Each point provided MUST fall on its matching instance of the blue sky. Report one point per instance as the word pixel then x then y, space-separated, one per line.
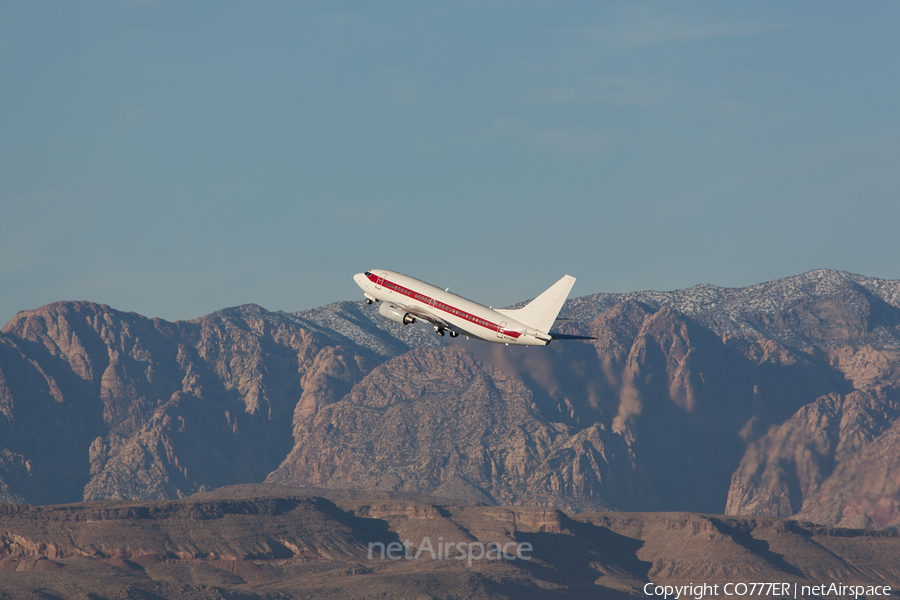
pixel 175 158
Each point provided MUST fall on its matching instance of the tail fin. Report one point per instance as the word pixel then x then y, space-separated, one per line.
pixel 541 312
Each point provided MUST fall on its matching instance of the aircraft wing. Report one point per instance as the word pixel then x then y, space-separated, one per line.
pixel 420 313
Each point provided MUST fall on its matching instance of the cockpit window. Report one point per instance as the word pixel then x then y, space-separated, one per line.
pixel 368 273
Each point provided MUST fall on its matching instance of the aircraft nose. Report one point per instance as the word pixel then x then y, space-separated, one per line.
pixel 359 278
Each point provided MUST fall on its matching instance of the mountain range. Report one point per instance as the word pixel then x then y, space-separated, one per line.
pixel 775 400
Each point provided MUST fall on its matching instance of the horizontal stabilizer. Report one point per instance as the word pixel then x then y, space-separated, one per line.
pixel 563 336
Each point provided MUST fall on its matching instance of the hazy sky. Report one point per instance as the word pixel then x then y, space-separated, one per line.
pixel 175 158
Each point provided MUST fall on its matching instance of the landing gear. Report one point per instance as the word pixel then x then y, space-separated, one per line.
pixel 368 301
pixel 439 331
pixel 453 334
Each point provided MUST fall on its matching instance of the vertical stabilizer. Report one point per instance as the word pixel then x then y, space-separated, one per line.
pixel 541 312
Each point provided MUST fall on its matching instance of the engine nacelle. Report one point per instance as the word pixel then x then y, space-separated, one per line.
pixel 395 314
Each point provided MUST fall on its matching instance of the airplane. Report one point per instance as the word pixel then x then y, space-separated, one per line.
pixel 405 299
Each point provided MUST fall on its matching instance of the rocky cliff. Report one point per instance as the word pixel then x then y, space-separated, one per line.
pixel 779 399
pixel 97 403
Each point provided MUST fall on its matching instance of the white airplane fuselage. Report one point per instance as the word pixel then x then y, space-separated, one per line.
pixel 415 299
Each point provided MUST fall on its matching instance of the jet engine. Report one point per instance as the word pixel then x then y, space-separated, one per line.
pixel 395 314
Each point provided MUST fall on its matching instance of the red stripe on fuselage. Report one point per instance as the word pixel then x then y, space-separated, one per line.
pixel 442 306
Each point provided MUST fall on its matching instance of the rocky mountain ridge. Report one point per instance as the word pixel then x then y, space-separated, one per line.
pixel 779 399
pixel 869 309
